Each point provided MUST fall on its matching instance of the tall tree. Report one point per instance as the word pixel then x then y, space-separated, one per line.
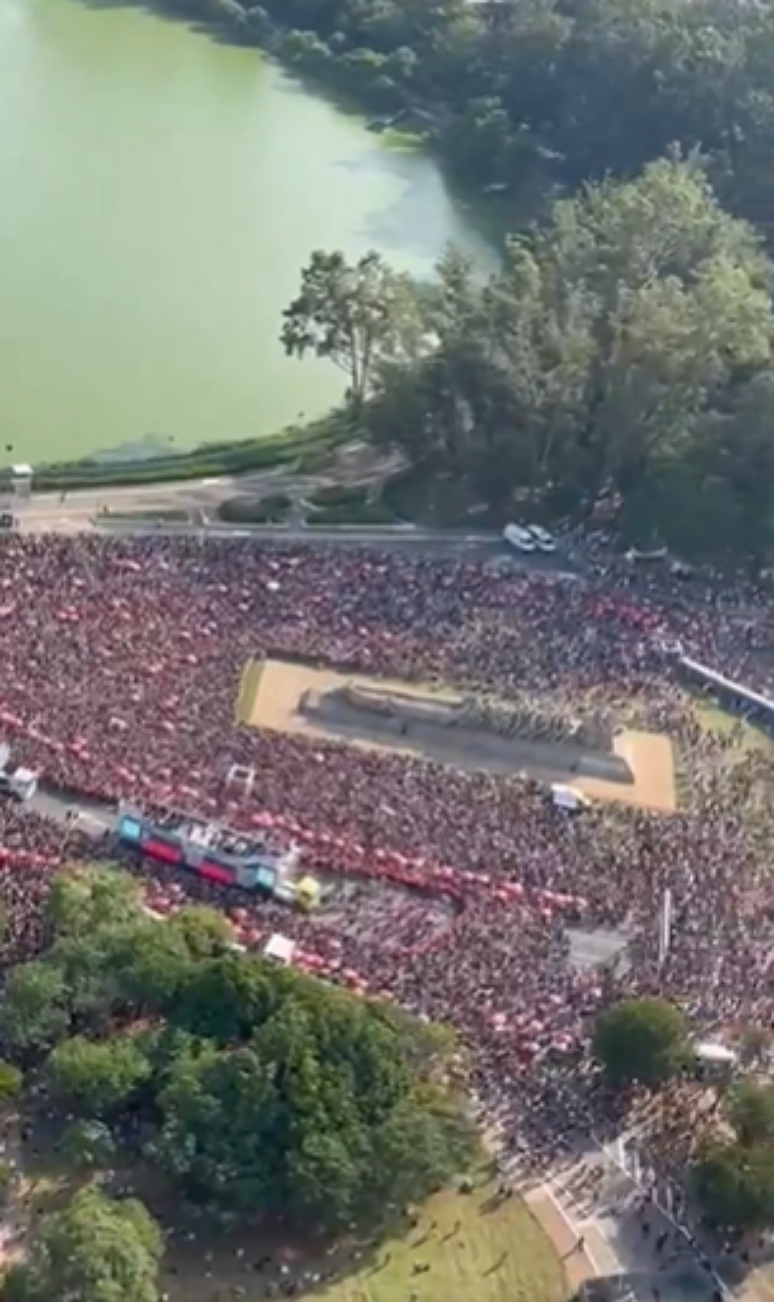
pixel 641 1040
pixel 348 313
pixel 751 1113
pixel 734 1185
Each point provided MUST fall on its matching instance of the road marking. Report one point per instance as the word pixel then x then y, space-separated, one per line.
pixel 210 483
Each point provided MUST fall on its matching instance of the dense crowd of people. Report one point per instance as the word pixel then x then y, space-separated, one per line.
pixel 120 661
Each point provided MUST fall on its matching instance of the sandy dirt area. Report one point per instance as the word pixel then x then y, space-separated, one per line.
pixel 271 690
pixel 651 758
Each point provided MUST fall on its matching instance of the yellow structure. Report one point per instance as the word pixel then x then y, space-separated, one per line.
pixel 308 893
pixel 249 686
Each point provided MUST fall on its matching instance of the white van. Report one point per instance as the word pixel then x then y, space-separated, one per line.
pixel 569 798
pixel 519 538
pixel 544 540
pixel 21 784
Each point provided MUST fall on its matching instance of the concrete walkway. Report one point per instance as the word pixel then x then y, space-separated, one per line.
pixel 585 1253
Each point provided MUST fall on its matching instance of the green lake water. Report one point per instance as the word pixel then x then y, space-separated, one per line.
pixel 159 193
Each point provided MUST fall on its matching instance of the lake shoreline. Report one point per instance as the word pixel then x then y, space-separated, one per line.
pixel 163 191
pixel 299 448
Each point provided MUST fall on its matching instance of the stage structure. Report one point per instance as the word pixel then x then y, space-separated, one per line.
pixel 217 854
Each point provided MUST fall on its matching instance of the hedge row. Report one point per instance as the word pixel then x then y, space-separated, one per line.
pixel 345 495
pixel 249 510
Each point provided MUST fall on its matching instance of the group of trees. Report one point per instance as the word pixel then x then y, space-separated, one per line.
pixel 253 1088
pixel 565 89
pixel 646 1042
pixel 734 1176
pixel 622 351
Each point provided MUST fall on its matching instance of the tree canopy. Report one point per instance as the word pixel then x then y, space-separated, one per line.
pixel 522 95
pixel 751 1112
pixel 641 1040
pixel 94 1250
pixel 734 1184
pixel 255 1088
pixel 733 1178
pixel 349 314
pixel 624 349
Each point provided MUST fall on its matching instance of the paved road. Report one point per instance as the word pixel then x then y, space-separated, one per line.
pixel 110 511
pixel 75 511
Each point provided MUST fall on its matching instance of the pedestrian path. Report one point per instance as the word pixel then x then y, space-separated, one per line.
pixel 583 1248
pixel 604 1227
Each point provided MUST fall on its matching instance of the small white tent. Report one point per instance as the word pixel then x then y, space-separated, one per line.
pixel 280 948
pixel 716 1055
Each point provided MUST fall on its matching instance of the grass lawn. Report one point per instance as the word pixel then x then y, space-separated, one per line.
pixel 713 718
pixel 477 1249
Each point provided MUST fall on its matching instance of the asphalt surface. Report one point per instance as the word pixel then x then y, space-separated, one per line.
pixel 130 511
pixel 75 511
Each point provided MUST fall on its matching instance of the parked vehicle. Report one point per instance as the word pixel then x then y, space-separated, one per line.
pixel 545 541
pixel 519 537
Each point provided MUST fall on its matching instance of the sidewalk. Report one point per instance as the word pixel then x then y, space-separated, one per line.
pixel 595 1258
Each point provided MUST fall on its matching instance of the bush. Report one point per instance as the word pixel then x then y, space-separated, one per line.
pixel 249 510
pixel 7 1180
pixel 339 495
pixel 11 1083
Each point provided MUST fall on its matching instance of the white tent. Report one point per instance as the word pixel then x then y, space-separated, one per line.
pixel 280 948
pixel 716 1055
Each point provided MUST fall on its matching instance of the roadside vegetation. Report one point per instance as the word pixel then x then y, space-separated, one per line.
pixel 618 367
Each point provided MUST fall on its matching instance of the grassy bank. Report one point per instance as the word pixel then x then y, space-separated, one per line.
pixel 301 447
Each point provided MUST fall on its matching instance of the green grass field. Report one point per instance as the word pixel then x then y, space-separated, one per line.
pixel 477 1250
pixel 713 718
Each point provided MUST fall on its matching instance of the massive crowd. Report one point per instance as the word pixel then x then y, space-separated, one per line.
pixel 119 666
